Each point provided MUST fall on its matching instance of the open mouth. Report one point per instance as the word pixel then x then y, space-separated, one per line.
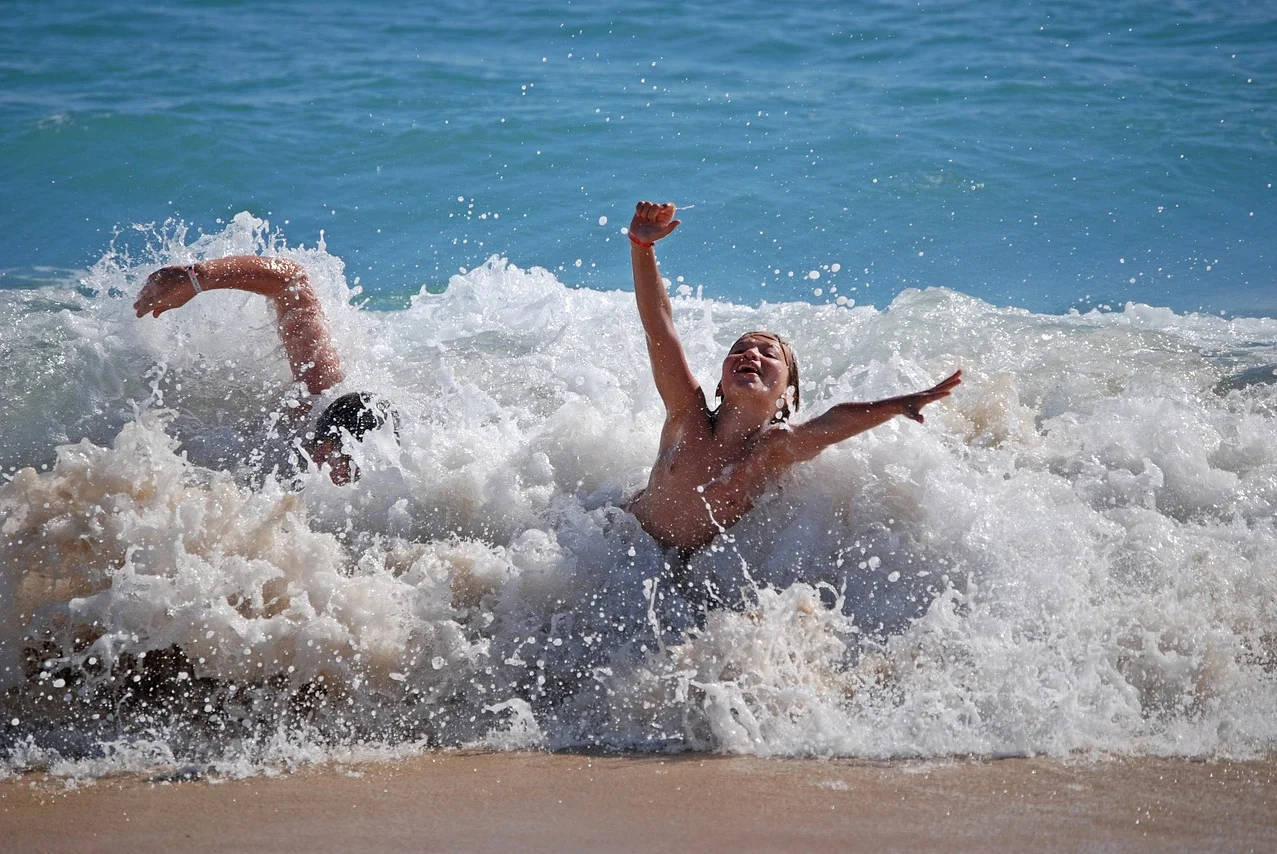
pixel 748 369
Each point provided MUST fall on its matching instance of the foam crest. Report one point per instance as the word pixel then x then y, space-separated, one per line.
pixel 1071 554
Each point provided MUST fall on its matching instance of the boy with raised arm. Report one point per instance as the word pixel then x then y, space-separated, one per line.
pixel 303 328
pixel 713 465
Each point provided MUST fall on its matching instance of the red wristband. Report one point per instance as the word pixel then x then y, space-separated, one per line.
pixel 638 242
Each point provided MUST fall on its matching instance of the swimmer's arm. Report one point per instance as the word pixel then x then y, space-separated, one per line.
pixel 804 441
pixel 675 382
pixel 299 316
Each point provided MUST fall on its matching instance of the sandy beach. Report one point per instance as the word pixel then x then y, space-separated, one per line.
pixel 460 801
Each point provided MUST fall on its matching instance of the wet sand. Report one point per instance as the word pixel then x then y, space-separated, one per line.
pixel 570 802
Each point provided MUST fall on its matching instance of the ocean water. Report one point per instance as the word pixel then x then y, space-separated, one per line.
pixel 1045 156
pixel 1072 203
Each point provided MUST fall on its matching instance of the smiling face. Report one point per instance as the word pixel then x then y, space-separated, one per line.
pixel 760 370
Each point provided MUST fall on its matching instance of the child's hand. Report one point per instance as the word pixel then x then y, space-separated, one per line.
pixel 652 221
pixel 167 288
pixel 911 404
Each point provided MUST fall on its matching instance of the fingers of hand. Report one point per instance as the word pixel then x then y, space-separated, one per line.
pixel 947 384
pixel 159 288
pixel 944 388
pixel 652 212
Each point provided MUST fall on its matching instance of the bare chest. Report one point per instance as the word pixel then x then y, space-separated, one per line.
pixel 694 460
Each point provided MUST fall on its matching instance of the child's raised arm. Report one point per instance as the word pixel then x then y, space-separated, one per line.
pixel 674 380
pixel 845 420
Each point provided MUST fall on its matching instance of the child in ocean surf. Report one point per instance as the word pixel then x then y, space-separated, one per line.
pixel 713 464
pixel 303 328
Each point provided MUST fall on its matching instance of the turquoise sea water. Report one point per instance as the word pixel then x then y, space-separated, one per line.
pixel 1036 155
pixel 1072 202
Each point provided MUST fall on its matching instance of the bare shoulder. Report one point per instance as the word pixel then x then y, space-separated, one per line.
pixel 687 423
pixel 697 414
pixel 778 444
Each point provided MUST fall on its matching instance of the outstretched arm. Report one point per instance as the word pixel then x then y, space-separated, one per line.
pixel 299 317
pixel 674 380
pixel 845 420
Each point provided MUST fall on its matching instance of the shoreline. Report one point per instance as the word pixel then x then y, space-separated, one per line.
pixel 461 800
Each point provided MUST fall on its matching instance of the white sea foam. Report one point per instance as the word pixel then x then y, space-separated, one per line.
pixel 1075 552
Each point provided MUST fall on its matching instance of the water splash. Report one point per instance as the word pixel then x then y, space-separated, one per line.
pixel 1072 554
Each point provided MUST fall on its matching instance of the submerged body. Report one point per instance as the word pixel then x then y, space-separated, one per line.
pixel 713 465
pixel 303 330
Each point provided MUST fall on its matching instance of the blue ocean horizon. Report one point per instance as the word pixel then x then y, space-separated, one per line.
pixel 1046 157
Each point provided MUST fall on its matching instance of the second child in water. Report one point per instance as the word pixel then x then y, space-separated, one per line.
pixel 713 464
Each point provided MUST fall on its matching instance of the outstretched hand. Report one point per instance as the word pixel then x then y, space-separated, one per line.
pixel 911 404
pixel 166 288
pixel 652 221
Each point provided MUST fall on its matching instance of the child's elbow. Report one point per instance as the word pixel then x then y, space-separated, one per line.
pixel 289 271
